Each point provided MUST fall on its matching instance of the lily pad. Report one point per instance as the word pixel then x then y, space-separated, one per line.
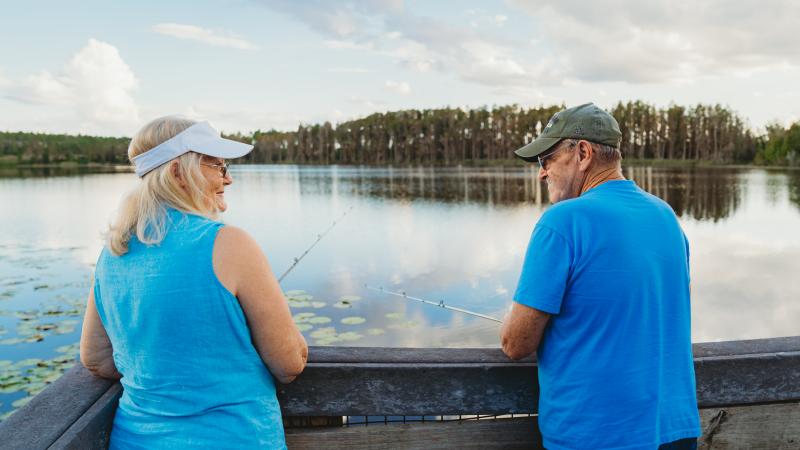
pixel 349 336
pixel 353 320
pixel 323 332
pixel 21 402
pixel 304 327
pixel 350 298
pixel 394 315
pixel 376 331
pixel 319 320
pixel 342 304
pixel 302 317
pixel 317 305
pixel 27 362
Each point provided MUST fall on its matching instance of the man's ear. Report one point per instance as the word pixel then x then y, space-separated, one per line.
pixel 585 155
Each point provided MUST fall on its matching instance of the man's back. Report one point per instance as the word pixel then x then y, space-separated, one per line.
pixel 615 362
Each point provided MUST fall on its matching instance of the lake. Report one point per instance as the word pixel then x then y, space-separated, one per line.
pixel 456 235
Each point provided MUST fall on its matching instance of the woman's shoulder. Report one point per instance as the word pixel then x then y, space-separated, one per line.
pixel 236 243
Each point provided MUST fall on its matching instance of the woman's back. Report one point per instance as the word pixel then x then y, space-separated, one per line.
pixel 191 375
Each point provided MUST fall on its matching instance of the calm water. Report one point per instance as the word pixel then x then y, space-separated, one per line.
pixel 457 235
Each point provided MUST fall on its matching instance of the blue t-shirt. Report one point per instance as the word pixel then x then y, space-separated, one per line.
pixel 615 361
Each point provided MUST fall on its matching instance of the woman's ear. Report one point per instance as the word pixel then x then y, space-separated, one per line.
pixel 175 167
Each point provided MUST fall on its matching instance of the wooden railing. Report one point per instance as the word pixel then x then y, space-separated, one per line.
pixel 748 393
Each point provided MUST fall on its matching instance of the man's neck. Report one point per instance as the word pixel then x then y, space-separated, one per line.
pixel 600 175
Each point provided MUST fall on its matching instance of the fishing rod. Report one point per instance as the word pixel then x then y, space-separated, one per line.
pixel 440 304
pixel 319 238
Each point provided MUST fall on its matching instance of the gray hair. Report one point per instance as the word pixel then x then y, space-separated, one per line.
pixel 606 154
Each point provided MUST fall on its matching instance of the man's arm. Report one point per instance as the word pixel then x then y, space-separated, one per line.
pixel 522 331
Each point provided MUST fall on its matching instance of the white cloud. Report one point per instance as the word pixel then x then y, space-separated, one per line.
pixel 206 36
pixel 92 93
pixel 418 43
pixel 400 87
pixel 666 40
pixel 349 70
pixel 231 120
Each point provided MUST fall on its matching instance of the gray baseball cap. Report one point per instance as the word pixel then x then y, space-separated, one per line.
pixel 586 121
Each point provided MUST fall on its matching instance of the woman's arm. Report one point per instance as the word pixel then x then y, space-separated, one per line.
pixel 96 350
pixel 243 268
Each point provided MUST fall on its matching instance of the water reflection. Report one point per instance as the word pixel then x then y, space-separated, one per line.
pixel 698 193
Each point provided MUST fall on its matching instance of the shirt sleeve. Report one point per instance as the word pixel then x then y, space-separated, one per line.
pixel 545 271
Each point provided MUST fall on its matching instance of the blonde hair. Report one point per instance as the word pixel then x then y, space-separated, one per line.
pixel 143 211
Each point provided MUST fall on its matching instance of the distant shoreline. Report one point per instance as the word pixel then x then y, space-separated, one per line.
pixel 122 168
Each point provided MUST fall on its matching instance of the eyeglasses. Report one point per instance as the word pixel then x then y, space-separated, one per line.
pixel 223 168
pixel 543 159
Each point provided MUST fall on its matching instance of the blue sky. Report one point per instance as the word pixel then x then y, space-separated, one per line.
pixel 108 67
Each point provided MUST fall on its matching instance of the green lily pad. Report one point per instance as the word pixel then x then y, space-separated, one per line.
pixel 6 363
pixel 350 298
pixel 354 320
pixel 304 327
pixel 302 317
pixel 72 348
pixel 342 304
pixel 319 320
pixel 12 341
pixel 26 315
pixel 327 340
pixel 394 315
pixel 376 331
pixel 27 362
pixel 350 336
pixel 11 388
pixel 320 333
pixel 299 304
pixel 21 402
pixel 317 305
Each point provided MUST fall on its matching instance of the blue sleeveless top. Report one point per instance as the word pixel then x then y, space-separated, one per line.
pixel 191 375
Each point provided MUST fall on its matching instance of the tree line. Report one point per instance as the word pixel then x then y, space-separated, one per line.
pixel 40 148
pixel 448 136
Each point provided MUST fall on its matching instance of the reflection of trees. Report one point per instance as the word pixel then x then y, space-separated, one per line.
pixel 701 193
pixel 503 186
pixel 794 187
pixel 704 194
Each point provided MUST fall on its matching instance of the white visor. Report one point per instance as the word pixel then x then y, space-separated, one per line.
pixel 200 137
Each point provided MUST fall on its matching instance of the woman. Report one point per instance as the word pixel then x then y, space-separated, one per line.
pixel 185 309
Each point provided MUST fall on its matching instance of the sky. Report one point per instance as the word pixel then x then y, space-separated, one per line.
pixel 108 67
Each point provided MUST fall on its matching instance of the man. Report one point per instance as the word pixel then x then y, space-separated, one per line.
pixel 604 299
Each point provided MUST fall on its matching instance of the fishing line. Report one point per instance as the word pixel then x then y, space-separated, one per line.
pixel 319 238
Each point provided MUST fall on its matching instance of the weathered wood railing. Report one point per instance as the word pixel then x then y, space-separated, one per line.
pixel 748 392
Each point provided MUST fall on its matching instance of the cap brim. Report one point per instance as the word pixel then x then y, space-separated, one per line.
pixel 535 148
pixel 221 148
